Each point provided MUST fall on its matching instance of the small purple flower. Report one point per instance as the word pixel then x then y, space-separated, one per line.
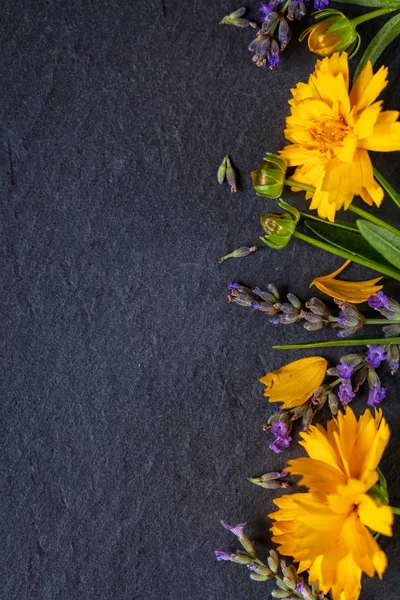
pixel 345 393
pixel 320 4
pixel 301 587
pixel 274 320
pixel 280 443
pixel 341 319
pixel 379 300
pixel 233 285
pixel 279 429
pixel 376 354
pixel 221 555
pixel 266 9
pixel 255 305
pixel 235 529
pixel 376 395
pixel 345 370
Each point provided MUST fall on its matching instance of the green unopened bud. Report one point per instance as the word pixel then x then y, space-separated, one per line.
pixel 279 227
pixel 273 561
pixel 231 175
pixel 262 570
pixel 247 545
pixel 280 593
pixel 258 577
pixel 222 170
pixel 242 559
pixel 290 578
pixel 236 19
pixel 268 179
pixel 269 480
pixel 239 253
pixel 373 378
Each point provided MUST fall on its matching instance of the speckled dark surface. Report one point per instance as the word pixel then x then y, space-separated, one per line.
pixel 131 410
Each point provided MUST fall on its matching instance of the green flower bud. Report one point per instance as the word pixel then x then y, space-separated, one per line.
pixel 268 178
pixel 279 227
pixel 273 561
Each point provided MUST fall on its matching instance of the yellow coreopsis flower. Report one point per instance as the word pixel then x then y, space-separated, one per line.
pixel 348 291
pixel 332 129
pixel 296 382
pixel 328 529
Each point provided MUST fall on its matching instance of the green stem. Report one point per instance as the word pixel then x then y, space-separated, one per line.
pixel 381 321
pixel 371 15
pixel 340 343
pixel 395 510
pixel 348 256
pixel 300 186
pixel 387 187
pixel 358 211
pixel 366 215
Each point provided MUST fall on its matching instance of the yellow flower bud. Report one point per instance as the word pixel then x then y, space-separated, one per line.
pixel 334 32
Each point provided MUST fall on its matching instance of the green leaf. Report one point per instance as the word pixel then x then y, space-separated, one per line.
pixel 385 242
pixel 373 3
pixel 351 241
pixel 358 341
pixel 383 38
pixel 386 185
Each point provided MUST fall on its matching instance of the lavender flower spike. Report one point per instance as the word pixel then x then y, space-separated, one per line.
pixel 379 300
pixel 221 555
pixel 376 395
pixel 235 529
pixel 320 4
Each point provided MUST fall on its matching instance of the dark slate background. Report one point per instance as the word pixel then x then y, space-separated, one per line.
pixel 131 410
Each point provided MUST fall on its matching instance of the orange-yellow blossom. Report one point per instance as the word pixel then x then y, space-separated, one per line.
pixel 328 529
pixel 332 129
pixel 296 382
pixel 348 291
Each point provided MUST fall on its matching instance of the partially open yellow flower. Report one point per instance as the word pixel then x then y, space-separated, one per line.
pixel 328 529
pixel 296 382
pixel 348 291
pixel 331 130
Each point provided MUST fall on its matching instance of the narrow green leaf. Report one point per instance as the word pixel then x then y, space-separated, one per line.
pixel 381 41
pixel 336 223
pixel 358 341
pixel 351 241
pixel 385 242
pixel 373 3
pixel 386 185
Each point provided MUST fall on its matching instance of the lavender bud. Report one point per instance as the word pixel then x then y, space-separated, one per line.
pixel 273 561
pixel 241 558
pixel 284 34
pixel 289 309
pixel 261 570
pixel 393 357
pixel 269 22
pixel 391 330
pixel 307 418
pixel 347 332
pixel 266 296
pixel 274 291
pixel 294 301
pixel 280 593
pixel 317 307
pixel 239 253
pixel 230 174
pixel 314 326
pixel 312 318
pixel 333 372
pixel 241 299
pixel 352 359
pixel 258 577
pixel 333 403
pixel 373 378
pixel 359 378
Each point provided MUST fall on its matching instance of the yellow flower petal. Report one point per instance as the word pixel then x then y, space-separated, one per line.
pixel 296 382
pixel 348 291
pixel 377 517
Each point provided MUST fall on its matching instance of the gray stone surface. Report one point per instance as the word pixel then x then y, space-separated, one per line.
pixel 131 410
